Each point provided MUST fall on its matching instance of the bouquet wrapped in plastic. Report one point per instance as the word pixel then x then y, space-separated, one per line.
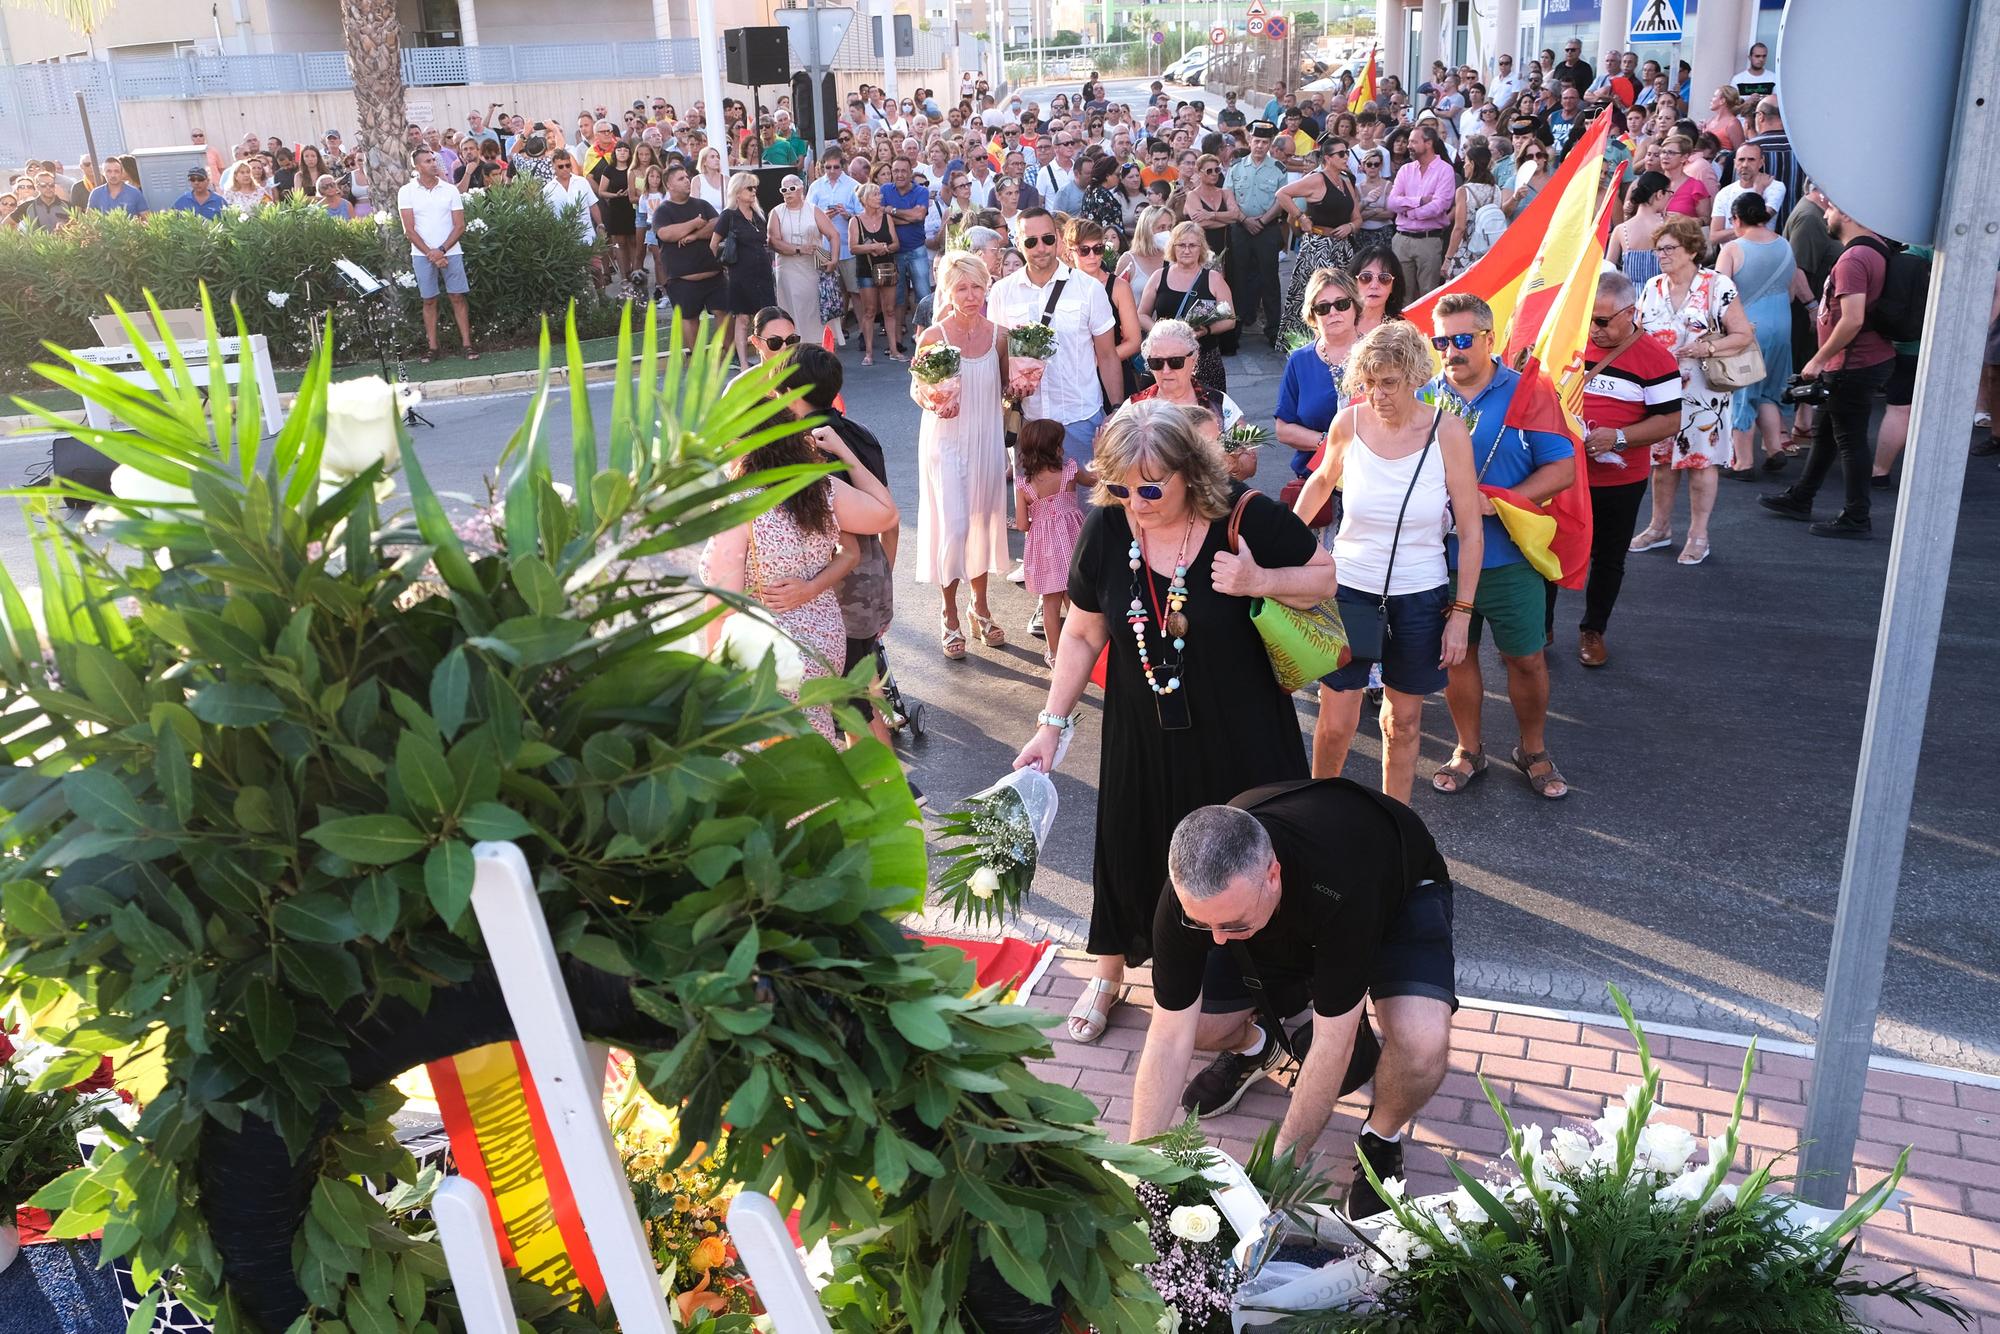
pixel 1028 351
pixel 934 382
pixel 999 833
pixel 1202 314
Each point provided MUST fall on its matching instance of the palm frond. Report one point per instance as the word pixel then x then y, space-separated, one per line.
pixel 85 16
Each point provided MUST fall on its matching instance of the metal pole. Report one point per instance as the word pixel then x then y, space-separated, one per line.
pixel 711 83
pixel 1968 248
pixel 887 9
pixel 815 100
pixel 89 139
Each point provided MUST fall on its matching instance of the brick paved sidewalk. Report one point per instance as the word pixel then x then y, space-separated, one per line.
pixel 1554 1070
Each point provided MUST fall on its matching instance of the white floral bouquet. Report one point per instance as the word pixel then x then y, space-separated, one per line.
pixel 751 637
pixel 1615 1216
pixel 934 382
pixel 1202 314
pixel 1028 351
pixel 999 835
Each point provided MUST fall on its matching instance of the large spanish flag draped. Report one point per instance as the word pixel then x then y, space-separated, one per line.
pixel 996 151
pixel 1365 88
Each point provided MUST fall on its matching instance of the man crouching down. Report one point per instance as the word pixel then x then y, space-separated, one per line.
pixel 1319 893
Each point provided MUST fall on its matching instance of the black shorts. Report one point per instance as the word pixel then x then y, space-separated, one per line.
pixel 691 298
pixel 1415 959
pixel 858 652
pixel 1902 386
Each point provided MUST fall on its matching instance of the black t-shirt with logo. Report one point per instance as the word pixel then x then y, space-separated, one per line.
pixel 679 261
pixel 1348 859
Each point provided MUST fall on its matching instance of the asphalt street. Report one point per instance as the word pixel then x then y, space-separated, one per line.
pixel 1697 861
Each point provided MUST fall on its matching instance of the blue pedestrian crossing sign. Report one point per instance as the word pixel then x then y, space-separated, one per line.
pixel 1658 20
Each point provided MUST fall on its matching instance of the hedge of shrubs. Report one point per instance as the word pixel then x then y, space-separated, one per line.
pixel 522 260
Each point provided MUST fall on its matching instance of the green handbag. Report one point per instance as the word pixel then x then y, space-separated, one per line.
pixel 1304 645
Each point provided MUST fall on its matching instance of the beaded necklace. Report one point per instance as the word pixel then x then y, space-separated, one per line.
pixel 1173 624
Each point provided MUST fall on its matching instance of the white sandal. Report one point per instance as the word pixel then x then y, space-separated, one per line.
pixel 1087 1022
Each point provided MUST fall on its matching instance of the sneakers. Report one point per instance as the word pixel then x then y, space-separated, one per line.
pixel 1228 1077
pixel 1019 574
pixel 1852 529
pixel 1035 626
pixel 1788 505
pixel 1386 1158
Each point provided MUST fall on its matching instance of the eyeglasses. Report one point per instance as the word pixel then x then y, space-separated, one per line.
pixel 775 344
pixel 1604 321
pixel 1670 248
pixel 1322 308
pixel 1460 341
pixel 1375 279
pixel 1030 242
pixel 1223 928
pixel 1146 490
pixel 1156 364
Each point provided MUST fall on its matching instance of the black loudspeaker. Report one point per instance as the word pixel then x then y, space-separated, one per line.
pixel 770 178
pixel 72 460
pixel 757 57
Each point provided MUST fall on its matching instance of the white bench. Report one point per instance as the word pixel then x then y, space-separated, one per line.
pixel 125 362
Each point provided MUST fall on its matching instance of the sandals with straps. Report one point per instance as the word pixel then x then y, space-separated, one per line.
pixel 1088 1019
pixel 1450 780
pixel 952 640
pixel 988 631
pixel 1542 782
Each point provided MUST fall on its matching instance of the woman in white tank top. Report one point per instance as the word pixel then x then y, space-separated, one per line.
pixel 1403 468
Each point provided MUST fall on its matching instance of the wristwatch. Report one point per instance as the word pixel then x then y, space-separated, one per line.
pixel 1621 437
pixel 1061 722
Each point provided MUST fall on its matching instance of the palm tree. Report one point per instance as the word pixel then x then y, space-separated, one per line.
pixel 375 62
pixel 82 16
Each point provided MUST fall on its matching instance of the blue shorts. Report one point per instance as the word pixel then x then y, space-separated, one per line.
pixel 428 274
pixel 1410 650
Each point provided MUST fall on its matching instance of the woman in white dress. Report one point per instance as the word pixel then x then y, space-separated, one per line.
pixel 801 238
pixel 1693 313
pixel 709 187
pixel 962 496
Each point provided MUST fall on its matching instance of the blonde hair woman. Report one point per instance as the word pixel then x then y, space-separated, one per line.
pixel 748 262
pixel 962 499
pixel 1146 255
pixel 1183 290
pixel 1309 395
pixel 709 187
pixel 1402 467
pixel 1190 715
pixel 241 191
pixel 872 238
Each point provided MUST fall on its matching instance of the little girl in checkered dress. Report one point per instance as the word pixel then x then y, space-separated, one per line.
pixel 1046 508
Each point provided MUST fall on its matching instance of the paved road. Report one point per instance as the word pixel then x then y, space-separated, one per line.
pixel 1697 861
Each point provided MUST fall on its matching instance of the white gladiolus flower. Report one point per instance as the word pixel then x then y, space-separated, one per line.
pixel 361 426
pixel 985 883
pixel 30 1059
pixel 749 637
pixel 128 483
pixel 1195 1222
pixel 1570 1149
pixel 1664 1148
pixel 1401 1246
pixel 1718 1149
pixel 278 299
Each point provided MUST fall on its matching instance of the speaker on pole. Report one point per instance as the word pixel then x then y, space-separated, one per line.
pixel 757 57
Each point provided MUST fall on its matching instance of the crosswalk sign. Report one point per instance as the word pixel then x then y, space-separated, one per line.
pixel 1658 20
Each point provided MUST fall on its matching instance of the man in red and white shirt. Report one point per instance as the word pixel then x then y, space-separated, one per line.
pixel 1631 402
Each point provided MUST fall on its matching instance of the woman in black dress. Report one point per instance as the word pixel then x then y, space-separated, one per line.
pixel 1192 713
pixel 612 178
pixel 1322 205
pixel 1177 291
pixel 752 283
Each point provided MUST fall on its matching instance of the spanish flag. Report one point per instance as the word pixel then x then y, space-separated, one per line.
pixel 996 151
pixel 1553 535
pixel 1364 87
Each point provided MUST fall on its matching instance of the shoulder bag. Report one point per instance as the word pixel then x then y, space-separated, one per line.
pixel 1368 627
pixel 1302 645
pixel 1738 370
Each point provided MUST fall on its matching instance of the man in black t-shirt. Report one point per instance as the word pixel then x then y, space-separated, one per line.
pixel 684 225
pixel 1332 894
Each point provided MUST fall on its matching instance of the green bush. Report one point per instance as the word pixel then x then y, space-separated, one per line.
pixel 523 261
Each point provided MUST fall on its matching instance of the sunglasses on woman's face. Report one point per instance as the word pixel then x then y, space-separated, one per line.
pixel 1459 341
pixel 1321 308
pixel 1146 490
pixel 776 344
pixel 1166 364
pixel 788 189
pixel 1375 279
pixel 1092 248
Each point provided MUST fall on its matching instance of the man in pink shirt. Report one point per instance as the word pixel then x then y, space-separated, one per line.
pixel 1421 197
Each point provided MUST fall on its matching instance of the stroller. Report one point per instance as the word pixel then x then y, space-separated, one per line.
pixel 901 714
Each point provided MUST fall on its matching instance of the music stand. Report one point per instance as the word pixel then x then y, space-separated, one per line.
pixel 373 295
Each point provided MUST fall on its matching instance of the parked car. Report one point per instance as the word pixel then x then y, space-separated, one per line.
pixel 1190 68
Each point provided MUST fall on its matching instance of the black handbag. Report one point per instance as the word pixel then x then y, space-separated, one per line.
pixel 1368 626
pixel 727 251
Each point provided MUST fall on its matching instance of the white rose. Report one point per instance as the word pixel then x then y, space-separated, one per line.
pixel 128 483
pixel 985 883
pixel 1664 1148
pixel 1571 1149
pixel 361 426
pixel 1195 1222
pixel 749 637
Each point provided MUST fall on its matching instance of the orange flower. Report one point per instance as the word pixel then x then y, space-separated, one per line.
pixel 700 1299
pixel 708 1253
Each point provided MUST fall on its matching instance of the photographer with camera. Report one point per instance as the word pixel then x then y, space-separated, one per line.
pixel 1841 379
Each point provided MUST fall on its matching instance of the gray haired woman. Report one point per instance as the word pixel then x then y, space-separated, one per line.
pixel 1172 350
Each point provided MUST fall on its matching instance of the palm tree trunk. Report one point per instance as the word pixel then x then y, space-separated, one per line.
pixel 375 60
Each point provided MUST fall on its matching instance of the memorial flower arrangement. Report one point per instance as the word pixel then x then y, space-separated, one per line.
pixel 1029 348
pixel 934 370
pixel 40 1117
pixel 996 838
pixel 1202 314
pixel 1630 1219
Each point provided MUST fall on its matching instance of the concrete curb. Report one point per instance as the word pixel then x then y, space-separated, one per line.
pixel 434 391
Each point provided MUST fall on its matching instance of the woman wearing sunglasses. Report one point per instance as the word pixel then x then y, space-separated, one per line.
pixel 1384 287
pixel 1309 394
pixel 803 239
pixel 1401 466
pixel 1171 351
pixel 1191 716
pixel 772 331
pixel 1092 252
